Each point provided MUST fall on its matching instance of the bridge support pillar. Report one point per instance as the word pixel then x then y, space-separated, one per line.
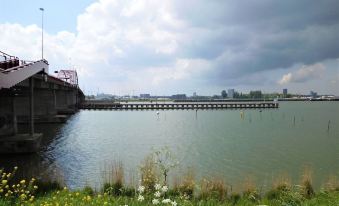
pixel 55 98
pixel 15 122
pixel 31 104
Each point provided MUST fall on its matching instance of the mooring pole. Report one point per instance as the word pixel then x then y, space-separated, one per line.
pixel 31 104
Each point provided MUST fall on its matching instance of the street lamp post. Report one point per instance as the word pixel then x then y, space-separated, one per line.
pixel 42 32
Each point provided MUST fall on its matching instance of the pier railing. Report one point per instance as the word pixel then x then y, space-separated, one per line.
pixel 175 106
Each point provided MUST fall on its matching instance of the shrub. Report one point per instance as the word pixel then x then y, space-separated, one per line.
pixel 214 188
pixel 115 181
pixel 234 198
pixel 47 186
pixel 165 161
pixel 277 192
pixel 332 184
pixel 149 173
pixel 10 190
pixel 186 188
pixel 307 190
pixel 250 191
pixel 106 187
pixel 113 189
pixel 129 192
pixel 281 185
pixel 88 191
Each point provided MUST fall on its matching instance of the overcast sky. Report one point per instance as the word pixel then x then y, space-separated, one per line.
pixel 175 46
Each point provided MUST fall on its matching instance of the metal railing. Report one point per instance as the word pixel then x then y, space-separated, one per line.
pixel 11 62
pixel 5 55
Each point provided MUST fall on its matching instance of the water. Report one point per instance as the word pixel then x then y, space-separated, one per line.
pixel 219 143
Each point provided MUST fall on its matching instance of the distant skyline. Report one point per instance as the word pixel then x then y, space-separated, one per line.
pixel 172 47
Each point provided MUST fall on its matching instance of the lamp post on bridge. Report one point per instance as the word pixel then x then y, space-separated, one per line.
pixel 42 32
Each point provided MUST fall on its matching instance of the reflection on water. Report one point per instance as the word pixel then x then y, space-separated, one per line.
pixel 223 143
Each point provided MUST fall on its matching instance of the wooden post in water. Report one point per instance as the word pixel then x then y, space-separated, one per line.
pixel 328 125
pixel 294 121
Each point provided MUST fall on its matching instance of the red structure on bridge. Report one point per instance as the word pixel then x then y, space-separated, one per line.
pixel 69 76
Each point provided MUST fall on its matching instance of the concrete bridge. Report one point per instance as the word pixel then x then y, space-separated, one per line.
pixel 29 95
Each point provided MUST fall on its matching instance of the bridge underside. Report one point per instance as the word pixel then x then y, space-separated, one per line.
pixel 28 95
pixel 38 99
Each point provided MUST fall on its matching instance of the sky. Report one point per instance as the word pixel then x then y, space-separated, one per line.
pixel 173 46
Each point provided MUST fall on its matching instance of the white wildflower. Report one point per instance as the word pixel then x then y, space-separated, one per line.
pixel 155 201
pixel 165 201
pixel 164 188
pixel 141 198
pixel 174 203
pixel 141 189
pixel 157 194
pixel 157 186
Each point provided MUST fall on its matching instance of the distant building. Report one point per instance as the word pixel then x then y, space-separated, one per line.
pixel 230 93
pixel 179 96
pixel 257 94
pixel 103 96
pixel 194 94
pixel 145 96
pixel 313 94
pixel 285 92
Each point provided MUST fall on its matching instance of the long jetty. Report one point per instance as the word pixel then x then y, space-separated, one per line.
pixel 97 105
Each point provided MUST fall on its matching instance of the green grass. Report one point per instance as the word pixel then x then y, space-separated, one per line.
pixel 185 192
pixel 66 197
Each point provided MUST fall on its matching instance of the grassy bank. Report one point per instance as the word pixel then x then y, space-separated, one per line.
pixel 150 192
pixel 84 197
pixel 153 189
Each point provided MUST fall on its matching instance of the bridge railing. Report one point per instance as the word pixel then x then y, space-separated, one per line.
pixel 14 75
pixel 6 56
pixel 9 62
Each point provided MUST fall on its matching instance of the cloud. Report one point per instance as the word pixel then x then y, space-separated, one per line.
pixel 183 69
pixel 193 44
pixel 305 73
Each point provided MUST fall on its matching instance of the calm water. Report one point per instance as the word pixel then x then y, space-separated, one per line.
pixel 219 143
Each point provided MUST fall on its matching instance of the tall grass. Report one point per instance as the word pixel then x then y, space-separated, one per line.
pixel 307 190
pixel 332 184
pixel 211 191
pixel 250 190
pixel 115 182
pixel 187 184
pixel 214 188
pixel 149 173
pixel 185 189
pixel 281 184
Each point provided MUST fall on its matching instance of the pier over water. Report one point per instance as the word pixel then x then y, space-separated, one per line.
pixel 105 105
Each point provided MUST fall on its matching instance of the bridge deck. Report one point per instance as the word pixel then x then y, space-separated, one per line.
pixel 169 106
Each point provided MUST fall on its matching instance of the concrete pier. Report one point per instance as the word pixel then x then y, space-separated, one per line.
pixel 35 100
pixel 96 105
pixel 29 95
pixel 20 143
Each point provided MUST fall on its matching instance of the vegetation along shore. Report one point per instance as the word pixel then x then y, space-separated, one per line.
pixel 154 188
